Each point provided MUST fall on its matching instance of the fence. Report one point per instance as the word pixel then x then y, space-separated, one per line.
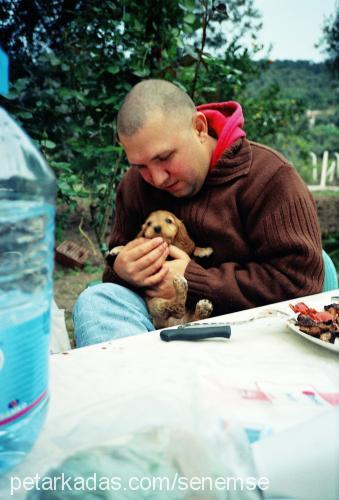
pixel 329 173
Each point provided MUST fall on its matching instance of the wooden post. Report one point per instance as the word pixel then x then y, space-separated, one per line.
pixel 314 165
pixel 324 170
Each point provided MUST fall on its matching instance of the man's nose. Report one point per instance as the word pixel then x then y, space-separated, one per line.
pixel 159 176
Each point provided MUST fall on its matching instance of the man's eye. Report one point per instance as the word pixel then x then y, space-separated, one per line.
pixel 169 221
pixel 165 158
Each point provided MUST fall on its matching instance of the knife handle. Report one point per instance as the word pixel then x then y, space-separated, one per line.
pixel 196 332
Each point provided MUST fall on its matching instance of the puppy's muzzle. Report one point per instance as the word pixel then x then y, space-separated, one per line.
pixel 157 229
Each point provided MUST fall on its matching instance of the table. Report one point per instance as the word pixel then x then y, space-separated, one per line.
pixel 275 384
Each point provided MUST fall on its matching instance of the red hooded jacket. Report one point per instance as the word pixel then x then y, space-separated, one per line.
pixel 225 121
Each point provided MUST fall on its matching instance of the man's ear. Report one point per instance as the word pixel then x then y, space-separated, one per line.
pixel 200 126
pixel 117 138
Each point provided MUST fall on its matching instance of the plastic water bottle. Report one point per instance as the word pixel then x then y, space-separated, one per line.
pixel 27 194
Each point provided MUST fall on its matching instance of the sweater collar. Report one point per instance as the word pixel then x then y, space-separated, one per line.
pixel 225 121
pixel 234 162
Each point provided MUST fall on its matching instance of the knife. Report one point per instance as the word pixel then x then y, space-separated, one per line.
pixel 196 332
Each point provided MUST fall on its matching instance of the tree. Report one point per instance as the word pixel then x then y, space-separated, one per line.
pixel 71 88
pixel 29 27
pixel 330 41
pixel 68 97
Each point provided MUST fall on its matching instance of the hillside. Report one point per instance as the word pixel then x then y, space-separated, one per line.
pixel 303 80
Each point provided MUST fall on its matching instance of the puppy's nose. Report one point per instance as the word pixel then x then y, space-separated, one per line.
pixel 157 229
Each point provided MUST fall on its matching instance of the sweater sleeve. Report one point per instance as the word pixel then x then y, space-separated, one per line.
pixel 127 222
pixel 284 235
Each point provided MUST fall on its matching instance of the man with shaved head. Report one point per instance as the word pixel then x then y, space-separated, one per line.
pixel 239 197
pixel 146 98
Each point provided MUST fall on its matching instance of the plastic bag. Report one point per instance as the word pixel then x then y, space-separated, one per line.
pixel 59 340
pixel 167 449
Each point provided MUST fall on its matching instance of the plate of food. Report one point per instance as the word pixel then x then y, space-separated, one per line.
pixel 319 327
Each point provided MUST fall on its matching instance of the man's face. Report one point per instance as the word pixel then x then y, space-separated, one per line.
pixel 170 153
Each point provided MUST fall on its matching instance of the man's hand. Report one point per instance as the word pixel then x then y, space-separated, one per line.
pixel 141 262
pixel 165 288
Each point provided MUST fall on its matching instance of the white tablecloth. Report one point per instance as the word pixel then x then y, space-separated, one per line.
pixel 266 378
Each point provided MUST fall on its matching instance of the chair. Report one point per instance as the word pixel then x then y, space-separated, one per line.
pixel 331 278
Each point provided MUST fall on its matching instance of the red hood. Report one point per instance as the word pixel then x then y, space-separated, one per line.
pixel 225 120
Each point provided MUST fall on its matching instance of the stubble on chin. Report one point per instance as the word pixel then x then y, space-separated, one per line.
pixel 186 193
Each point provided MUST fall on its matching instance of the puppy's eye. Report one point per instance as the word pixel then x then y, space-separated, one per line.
pixel 148 223
pixel 169 221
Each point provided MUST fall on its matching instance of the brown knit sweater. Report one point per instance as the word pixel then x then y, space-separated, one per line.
pixel 257 215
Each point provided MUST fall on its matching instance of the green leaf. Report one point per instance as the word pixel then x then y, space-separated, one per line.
pixel 113 69
pixel 21 84
pixel 189 18
pixel 60 165
pixel 49 144
pixel 188 60
pixel 110 100
pixel 12 95
pixel 142 72
pixel 54 60
pixel 24 114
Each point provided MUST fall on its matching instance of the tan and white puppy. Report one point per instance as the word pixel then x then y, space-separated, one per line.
pixel 173 312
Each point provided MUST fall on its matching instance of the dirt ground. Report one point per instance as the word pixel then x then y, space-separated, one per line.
pixel 69 282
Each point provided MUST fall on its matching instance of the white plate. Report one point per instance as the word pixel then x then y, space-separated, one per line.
pixel 327 345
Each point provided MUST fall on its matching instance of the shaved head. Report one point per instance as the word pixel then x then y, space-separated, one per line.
pixel 149 97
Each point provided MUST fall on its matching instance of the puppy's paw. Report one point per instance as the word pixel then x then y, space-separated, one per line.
pixel 116 250
pixel 203 309
pixel 202 252
pixel 180 283
pixel 180 286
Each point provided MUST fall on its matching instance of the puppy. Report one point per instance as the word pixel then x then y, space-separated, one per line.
pixel 166 312
pixel 173 231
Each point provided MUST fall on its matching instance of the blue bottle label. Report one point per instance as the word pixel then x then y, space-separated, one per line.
pixel 24 351
pixel 3 72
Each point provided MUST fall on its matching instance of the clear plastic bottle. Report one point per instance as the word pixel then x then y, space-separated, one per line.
pixel 27 196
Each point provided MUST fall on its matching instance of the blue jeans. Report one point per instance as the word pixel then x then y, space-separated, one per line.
pixel 107 312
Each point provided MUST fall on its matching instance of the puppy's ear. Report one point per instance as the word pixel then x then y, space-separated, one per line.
pixel 182 240
pixel 141 232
